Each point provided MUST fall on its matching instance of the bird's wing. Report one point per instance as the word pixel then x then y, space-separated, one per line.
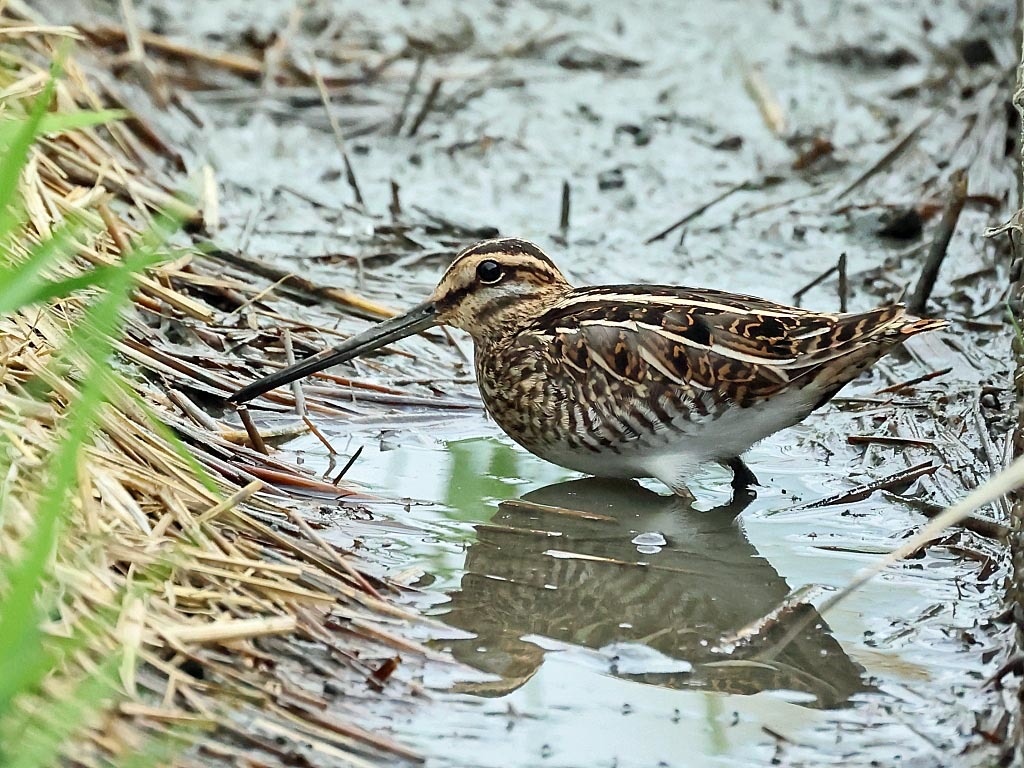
pixel 734 348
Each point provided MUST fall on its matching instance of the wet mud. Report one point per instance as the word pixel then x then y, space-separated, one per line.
pixel 798 151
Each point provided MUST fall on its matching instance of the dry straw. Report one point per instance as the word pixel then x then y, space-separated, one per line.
pixel 230 612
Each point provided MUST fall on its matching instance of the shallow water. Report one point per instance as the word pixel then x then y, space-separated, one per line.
pixel 594 629
pixel 595 642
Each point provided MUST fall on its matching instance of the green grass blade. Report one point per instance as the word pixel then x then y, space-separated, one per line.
pixel 23 284
pixel 175 442
pixel 58 122
pixel 56 289
pixel 22 279
pixel 45 737
pixel 14 159
pixel 19 610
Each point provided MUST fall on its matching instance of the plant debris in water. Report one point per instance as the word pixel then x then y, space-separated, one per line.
pixel 223 603
pixel 345 156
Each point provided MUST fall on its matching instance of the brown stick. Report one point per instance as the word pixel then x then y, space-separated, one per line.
pixel 900 386
pixel 319 435
pixel 242 65
pixel 563 218
pixel 348 466
pixel 844 283
pixel 113 226
pixel 395 207
pixel 798 296
pixel 292 480
pixel 886 159
pixel 428 104
pixel 254 434
pixel 332 553
pixel 414 82
pixel 863 491
pixel 696 212
pixel 339 137
pixel 328 293
pixel 532 506
pixel 888 440
pixel 936 254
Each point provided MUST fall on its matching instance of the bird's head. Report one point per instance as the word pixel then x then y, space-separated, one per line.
pixel 494 286
pixel 490 290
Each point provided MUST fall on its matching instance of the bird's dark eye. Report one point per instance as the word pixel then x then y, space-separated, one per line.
pixel 488 271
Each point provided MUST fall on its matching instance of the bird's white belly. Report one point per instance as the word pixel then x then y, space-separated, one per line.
pixel 672 455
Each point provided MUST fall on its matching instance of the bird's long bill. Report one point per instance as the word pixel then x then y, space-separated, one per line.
pixel 415 320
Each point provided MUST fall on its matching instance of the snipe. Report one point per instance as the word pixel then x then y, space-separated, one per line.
pixel 631 380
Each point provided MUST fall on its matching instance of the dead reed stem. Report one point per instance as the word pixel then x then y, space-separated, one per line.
pixel 170 536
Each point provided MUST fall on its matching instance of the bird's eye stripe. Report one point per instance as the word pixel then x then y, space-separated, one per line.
pixel 508 245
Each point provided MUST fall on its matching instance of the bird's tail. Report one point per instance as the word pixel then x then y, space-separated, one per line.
pixel 915 325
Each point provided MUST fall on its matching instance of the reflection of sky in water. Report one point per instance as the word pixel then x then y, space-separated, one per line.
pixel 548 659
pixel 567 716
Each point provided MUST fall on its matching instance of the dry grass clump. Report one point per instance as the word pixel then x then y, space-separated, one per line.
pixel 179 596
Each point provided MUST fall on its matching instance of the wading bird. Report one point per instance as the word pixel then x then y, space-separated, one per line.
pixel 630 381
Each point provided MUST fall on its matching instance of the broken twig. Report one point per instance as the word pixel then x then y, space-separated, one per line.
pixel 563 218
pixel 414 82
pixel 863 491
pixel 799 295
pixel 428 104
pixel 348 465
pixel 339 137
pixel 900 386
pixel 254 434
pixel 699 210
pixel 844 283
pixel 937 252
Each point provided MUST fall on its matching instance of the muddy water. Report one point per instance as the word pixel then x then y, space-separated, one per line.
pixel 591 634
pixel 594 630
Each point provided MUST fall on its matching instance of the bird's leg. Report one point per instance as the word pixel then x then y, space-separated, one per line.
pixel 742 477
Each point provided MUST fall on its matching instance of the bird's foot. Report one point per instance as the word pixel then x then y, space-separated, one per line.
pixel 742 477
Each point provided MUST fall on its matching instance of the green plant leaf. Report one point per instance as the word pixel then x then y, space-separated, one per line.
pixel 14 159
pixel 44 738
pixel 21 279
pixel 60 122
pixel 57 289
pixel 19 612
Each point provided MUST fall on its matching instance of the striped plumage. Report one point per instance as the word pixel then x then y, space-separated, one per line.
pixel 632 380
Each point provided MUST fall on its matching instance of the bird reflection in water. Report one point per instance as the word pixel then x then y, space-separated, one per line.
pixel 576 574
